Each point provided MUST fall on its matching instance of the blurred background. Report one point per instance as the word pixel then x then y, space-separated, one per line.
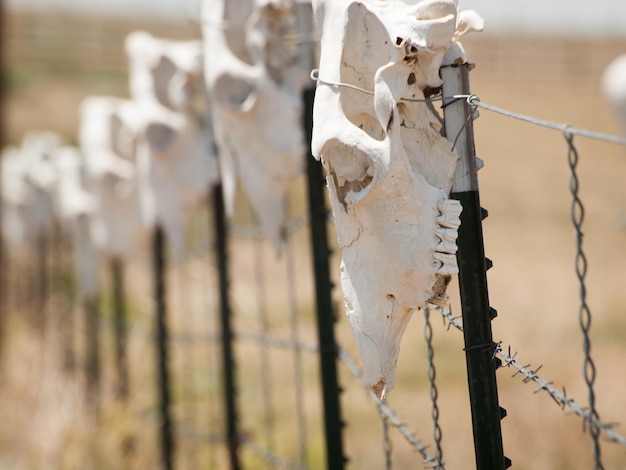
pixel 543 59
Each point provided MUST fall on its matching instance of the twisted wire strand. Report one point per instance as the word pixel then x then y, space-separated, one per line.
pixel 560 398
pixel 584 314
pixel 434 393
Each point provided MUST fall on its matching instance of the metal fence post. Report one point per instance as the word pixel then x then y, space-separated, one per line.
pixel 120 327
pixel 477 314
pixel 325 315
pixel 3 259
pixel 92 360
pixel 228 358
pixel 162 356
pixel 318 211
pixel 43 293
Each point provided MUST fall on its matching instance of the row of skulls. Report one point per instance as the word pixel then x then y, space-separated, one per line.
pixel 389 169
pixel 152 159
pixel 148 160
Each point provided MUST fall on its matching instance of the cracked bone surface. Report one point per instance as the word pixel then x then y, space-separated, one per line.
pixel 389 170
pixel 255 84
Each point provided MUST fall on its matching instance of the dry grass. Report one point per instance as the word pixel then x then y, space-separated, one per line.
pixel 528 235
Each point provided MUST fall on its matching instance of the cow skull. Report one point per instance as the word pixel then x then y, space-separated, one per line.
pixel 254 90
pixel 175 147
pixel 389 170
pixel 39 178
pixel 75 207
pixel 164 71
pixel 176 169
pixel 614 87
pixel 108 132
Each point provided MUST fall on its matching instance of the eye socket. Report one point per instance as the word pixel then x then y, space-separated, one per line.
pixel 399 41
pixel 351 171
pixel 234 92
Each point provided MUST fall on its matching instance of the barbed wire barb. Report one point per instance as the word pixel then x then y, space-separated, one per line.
pixel 560 398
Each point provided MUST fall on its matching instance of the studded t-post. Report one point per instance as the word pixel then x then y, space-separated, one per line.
pixel 162 356
pixel 477 314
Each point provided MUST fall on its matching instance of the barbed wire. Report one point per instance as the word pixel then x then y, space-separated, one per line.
pixel 386 411
pixel 387 448
pixel 530 375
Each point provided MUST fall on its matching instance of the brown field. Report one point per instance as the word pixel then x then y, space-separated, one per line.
pixel 528 235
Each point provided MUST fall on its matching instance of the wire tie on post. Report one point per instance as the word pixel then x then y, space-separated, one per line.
pixel 486 346
pixel 471 101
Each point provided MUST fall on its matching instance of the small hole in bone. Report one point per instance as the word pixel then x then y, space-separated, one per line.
pixel 430 91
pixel 411 79
pixel 413 49
pixel 398 41
pixel 391 298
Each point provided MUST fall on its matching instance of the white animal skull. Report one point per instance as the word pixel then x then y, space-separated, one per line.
pixel 389 170
pixel 164 71
pixel 177 167
pixel 16 196
pixel 254 85
pixel 176 158
pixel 28 179
pixel 75 207
pixel 108 133
pixel 614 87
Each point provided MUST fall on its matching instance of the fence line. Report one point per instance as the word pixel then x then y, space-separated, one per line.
pixel 235 438
pixel 473 100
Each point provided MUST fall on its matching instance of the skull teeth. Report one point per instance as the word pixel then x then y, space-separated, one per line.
pixel 448 263
pixel 447 240
pixel 449 221
pixel 450 210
